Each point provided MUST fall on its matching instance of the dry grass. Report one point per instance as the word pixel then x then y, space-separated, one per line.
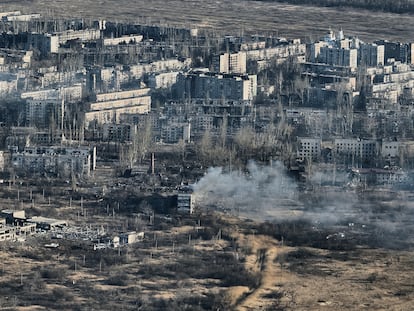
pixel 233 16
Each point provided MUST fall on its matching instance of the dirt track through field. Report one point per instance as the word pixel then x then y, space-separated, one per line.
pixel 264 251
pixel 233 17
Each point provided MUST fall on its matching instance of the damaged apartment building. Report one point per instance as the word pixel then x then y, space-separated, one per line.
pixel 54 161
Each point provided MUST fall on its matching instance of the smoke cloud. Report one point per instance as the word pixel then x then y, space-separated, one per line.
pixel 260 193
pixel 267 193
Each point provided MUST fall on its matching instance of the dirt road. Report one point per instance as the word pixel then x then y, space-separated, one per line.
pixel 262 261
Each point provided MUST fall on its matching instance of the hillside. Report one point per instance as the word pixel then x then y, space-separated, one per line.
pixel 233 16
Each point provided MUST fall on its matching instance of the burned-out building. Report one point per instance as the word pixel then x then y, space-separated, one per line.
pixel 54 160
pixel 216 86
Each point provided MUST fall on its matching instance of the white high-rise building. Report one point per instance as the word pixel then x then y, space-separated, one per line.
pixel 233 63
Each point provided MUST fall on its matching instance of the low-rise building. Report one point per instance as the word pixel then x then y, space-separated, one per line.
pixel 45 223
pixel 7 233
pixel 14 225
pixel 375 176
pixel 185 203
pixel 130 237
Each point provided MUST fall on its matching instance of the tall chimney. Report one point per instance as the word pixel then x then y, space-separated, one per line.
pixel 152 163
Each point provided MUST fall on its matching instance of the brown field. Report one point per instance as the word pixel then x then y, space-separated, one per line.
pixel 288 278
pixel 232 16
pixel 205 262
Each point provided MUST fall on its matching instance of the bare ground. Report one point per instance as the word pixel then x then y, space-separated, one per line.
pixel 364 279
pixel 233 16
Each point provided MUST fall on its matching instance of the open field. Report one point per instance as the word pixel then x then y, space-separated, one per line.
pixel 233 16
pixel 206 274
pixel 207 261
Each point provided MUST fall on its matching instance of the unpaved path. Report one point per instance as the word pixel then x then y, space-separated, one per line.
pixel 262 260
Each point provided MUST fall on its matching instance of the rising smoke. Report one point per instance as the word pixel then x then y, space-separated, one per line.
pixel 267 193
pixel 260 192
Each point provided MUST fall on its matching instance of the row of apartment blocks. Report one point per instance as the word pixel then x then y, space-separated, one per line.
pixel 337 50
pixel 259 53
pixel 389 84
pixel 180 121
pixel 352 149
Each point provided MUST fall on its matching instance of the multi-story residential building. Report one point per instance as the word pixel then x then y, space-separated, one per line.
pixel 230 63
pixel 338 56
pixel 45 43
pixel 70 94
pixel 356 149
pixel 21 17
pixel 174 132
pixel 375 176
pixel 390 82
pixel 118 132
pixel 390 149
pixel 55 160
pixel 279 53
pixel 162 80
pixel 185 203
pixel 395 50
pixel 309 148
pixel 42 113
pixel 411 53
pixel 4 155
pixel 203 122
pixel 109 107
pixel 123 40
pixel 82 35
pixel 371 55
pixel 208 85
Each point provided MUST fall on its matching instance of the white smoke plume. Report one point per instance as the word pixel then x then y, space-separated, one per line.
pixel 268 193
pixel 261 192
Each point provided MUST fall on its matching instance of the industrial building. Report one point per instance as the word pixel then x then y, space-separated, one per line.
pixel 14 225
pixel 44 223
